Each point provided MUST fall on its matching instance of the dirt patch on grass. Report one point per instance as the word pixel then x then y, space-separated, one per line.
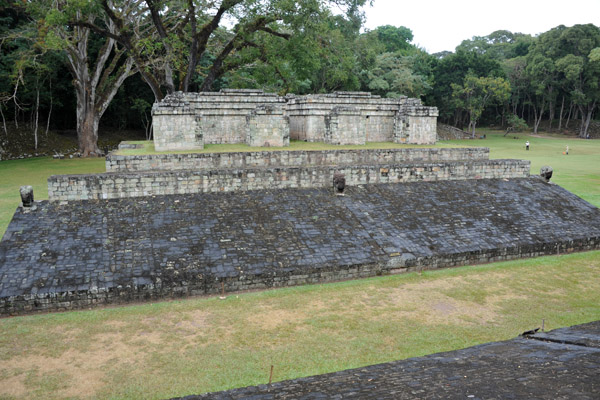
pixel 273 318
pixel 193 323
pixel 13 385
pixel 470 300
pixel 83 371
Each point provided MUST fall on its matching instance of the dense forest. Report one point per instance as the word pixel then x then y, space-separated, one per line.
pixel 90 65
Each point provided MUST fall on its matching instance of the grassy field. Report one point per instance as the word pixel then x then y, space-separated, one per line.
pixel 35 172
pixel 197 345
pixel 578 172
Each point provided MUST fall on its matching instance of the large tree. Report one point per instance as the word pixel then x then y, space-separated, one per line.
pixel 452 69
pixel 188 44
pixel 476 93
pixel 98 65
pixel 580 69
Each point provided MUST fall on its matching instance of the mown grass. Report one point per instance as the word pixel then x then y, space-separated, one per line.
pixel 175 348
pixel 35 172
pixel 197 345
pixel 578 172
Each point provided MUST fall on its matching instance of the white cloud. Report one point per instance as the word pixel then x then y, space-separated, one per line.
pixel 442 24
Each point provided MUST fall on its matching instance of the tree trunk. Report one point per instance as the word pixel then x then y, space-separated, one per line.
pixel 551 110
pixel 537 117
pixel 37 115
pixel 87 122
pixel 4 122
pixel 49 111
pixel 585 120
pixel 560 115
pixel 569 115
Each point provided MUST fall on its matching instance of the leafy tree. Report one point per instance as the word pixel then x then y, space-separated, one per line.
pixel 394 75
pixel 515 124
pixel 98 66
pixel 476 93
pixel 185 41
pixel 394 38
pixel 30 76
pixel 452 69
pixel 499 45
pixel 580 69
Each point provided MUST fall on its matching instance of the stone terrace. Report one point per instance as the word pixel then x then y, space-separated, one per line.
pixel 286 158
pixel 65 255
pixel 560 364
pixel 164 174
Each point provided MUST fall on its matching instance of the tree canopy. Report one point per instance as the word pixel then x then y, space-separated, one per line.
pixel 119 56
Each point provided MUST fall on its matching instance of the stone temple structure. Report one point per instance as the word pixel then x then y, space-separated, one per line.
pixel 168 225
pixel 178 224
pixel 187 121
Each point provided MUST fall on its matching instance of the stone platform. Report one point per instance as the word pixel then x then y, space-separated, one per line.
pixel 560 364
pixel 64 255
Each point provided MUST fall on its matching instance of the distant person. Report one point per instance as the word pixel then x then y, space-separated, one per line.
pixel 527 145
pixel 567 150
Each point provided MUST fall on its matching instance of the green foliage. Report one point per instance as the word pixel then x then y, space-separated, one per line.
pixel 452 70
pixel 499 45
pixel 394 38
pixel 516 124
pixel 476 93
pixel 394 75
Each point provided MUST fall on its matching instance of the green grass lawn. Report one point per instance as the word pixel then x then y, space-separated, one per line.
pixel 578 172
pixel 175 348
pixel 35 172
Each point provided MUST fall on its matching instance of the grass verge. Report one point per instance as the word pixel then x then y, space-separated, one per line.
pixel 176 348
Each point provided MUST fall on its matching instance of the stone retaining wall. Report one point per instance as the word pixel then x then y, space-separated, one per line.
pixel 122 185
pixel 210 285
pixel 283 158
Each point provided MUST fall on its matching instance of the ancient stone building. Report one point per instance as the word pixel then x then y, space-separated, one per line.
pixel 359 117
pixel 187 121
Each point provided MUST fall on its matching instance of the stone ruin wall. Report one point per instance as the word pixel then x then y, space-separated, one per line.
pixel 150 183
pixel 178 124
pixel 190 120
pixel 401 120
pixel 165 174
pixel 229 116
pixel 285 158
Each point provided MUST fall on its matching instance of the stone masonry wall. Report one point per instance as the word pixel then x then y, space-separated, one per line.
pixel 415 125
pixel 176 125
pixel 345 125
pixel 220 116
pixel 267 125
pixel 310 116
pixel 122 185
pixel 65 255
pixel 281 158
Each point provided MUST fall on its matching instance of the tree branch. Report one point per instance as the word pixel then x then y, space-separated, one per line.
pixel 275 33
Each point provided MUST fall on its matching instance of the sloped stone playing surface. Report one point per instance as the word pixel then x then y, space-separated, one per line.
pixel 523 368
pixel 62 256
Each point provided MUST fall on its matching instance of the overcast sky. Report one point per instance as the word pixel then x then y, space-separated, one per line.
pixel 440 25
